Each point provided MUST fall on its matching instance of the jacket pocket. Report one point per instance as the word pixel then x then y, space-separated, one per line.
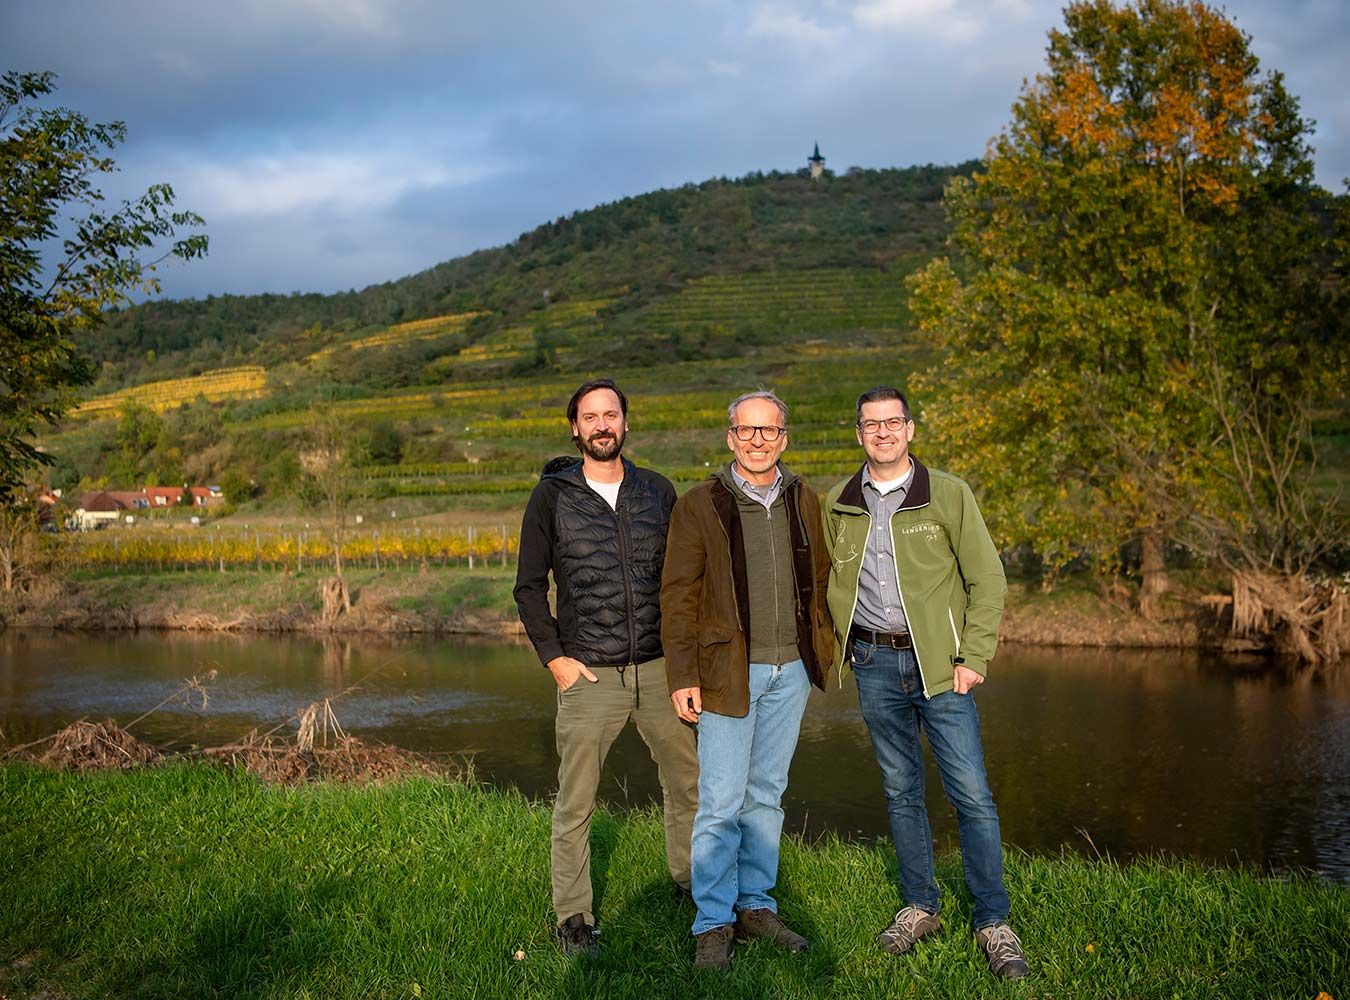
pixel 710 634
pixel 714 656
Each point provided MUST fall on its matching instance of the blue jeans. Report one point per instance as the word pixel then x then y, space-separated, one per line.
pixel 890 692
pixel 743 770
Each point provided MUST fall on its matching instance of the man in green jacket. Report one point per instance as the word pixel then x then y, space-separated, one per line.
pixel 916 592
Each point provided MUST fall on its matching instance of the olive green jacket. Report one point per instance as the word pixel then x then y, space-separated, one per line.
pixel 951 581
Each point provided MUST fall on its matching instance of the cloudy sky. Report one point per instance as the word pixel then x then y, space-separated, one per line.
pixel 333 144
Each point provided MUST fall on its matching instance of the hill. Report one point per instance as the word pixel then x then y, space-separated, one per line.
pixel 454 378
pixel 626 256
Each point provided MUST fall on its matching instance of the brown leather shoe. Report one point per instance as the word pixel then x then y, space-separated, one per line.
pixel 712 949
pixel 769 925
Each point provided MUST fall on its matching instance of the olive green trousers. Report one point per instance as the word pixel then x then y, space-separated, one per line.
pixel 590 717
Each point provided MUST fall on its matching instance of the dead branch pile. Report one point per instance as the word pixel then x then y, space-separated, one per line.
pixel 92 746
pixel 321 748
pixel 347 760
pixel 1305 618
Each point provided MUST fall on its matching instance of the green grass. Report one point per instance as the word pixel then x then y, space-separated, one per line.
pixel 187 881
pixel 437 596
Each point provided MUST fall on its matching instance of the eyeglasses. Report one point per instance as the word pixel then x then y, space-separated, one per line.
pixel 746 432
pixel 891 424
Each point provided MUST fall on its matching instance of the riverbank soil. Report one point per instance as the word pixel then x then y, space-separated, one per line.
pixel 190 881
pixel 458 600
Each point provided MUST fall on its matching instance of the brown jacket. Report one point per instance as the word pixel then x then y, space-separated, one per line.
pixel 704 595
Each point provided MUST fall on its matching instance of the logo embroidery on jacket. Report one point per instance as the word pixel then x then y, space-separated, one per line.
pixel 853 553
pixel 931 529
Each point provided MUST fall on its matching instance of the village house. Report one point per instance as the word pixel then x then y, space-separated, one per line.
pixel 109 506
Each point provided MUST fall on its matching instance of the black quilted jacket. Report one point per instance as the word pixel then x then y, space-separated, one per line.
pixel 606 565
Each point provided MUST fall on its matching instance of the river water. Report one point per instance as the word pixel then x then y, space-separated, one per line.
pixel 1122 752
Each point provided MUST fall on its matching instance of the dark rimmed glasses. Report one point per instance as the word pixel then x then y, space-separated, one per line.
pixel 746 432
pixel 890 423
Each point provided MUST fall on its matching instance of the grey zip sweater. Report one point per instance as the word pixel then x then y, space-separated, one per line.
pixel 768 570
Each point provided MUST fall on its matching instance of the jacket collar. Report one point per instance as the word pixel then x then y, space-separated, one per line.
pixel 573 475
pixel 851 496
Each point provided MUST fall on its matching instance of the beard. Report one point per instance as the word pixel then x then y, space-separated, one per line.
pixel 602 446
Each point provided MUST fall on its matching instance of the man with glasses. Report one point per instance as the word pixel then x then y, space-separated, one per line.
pixel 746 632
pixel 916 592
pixel 598 525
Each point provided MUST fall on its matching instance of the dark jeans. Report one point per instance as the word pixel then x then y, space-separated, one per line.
pixel 890 693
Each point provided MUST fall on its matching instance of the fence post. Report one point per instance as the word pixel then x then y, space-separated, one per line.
pixel 376 536
pixel 471 546
pixel 117 555
pixel 299 551
pixel 503 546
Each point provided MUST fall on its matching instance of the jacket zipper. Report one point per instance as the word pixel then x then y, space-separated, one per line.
pixel 625 558
pixel 773 556
pixel 848 654
pixel 895 568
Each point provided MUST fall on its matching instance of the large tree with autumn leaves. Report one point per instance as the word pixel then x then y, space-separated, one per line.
pixel 1138 310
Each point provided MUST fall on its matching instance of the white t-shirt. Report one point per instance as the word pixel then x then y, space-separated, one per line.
pixel 610 491
pixel 885 486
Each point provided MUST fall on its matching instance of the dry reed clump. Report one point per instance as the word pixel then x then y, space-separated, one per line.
pixel 347 760
pixel 93 746
pixel 1307 618
pixel 311 757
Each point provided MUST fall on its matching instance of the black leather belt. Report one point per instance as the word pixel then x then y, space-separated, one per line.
pixel 895 640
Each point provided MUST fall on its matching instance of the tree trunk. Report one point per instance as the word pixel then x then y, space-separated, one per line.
pixel 336 600
pixel 1153 569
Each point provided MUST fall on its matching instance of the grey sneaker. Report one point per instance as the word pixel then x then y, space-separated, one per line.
pixel 712 949
pixel 576 937
pixel 909 925
pixel 767 924
pixel 1004 951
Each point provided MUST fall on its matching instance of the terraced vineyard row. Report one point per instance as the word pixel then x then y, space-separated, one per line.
pixel 246 382
pixel 812 301
pixel 577 317
pixel 272 550
pixel 421 329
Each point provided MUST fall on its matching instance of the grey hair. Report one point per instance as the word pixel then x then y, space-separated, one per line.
pixel 757 394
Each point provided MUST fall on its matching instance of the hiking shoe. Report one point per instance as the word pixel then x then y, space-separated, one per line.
pixel 576 937
pixel 767 924
pixel 909 925
pixel 712 949
pixel 682 893
pixel 1004 951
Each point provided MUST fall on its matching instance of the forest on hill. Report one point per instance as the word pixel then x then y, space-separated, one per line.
pixel 630 253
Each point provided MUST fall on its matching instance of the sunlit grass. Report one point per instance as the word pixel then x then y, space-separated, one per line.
pixel 190 882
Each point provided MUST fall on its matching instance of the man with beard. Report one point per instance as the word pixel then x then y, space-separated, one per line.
pixel 599 526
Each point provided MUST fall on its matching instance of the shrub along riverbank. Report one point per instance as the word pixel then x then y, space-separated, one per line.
pixel 187 880
pixel 457 600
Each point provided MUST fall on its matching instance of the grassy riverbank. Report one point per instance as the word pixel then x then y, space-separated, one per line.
pixel 456 599
pixel 187 881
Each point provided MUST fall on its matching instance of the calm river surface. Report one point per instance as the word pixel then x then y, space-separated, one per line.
pixel 1141 752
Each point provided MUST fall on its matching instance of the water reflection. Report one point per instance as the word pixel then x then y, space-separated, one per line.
pixel 1133 752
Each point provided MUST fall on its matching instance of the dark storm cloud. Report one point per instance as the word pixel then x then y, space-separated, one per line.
pixel 336 143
